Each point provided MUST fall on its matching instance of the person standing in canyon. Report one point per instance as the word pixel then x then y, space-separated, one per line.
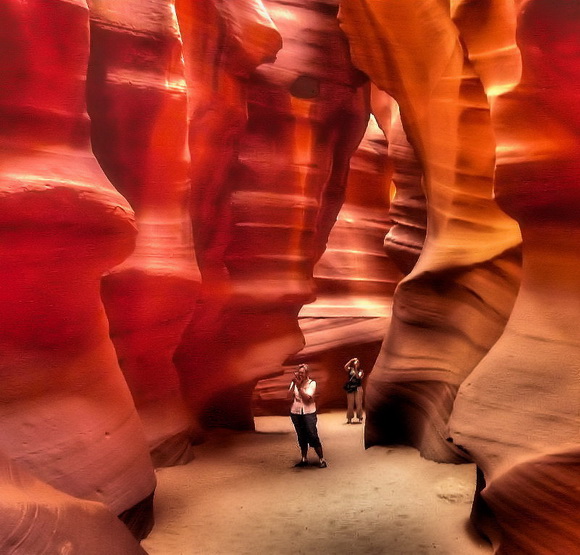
pixel 354 390
pixel 303 415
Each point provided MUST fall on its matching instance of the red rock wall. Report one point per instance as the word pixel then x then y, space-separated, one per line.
pixel 229 126
pixel 66 413
pixel 306 113
pixel 454 304
pixel 354 282
pixel 517 415
pixel 138 106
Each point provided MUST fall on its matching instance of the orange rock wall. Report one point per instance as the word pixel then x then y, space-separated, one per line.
pixel 354 282
pixel 517 415
pixel 453 305
pixel 508 399
pixel 156 257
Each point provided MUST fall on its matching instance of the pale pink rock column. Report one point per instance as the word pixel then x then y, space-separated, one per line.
pixel 37 518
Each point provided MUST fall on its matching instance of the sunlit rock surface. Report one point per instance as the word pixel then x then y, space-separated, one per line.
pixel 138 107
pixel 37 518
pixel 66 413
pixel 453 306
pixel 354 282
pixel 408 209
pixel 517 414
pixel 307 112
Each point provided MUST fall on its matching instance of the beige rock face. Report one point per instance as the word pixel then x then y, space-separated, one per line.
pixel 453 306
pixel 307 112
pixel 517 414
pixel 65 410
pixel 138 106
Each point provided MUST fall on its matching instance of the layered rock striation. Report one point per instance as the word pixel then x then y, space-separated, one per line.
pixel 452 307
pixel 306 114
pixel 137 100
pixel 354 282
pixel 66 413
pixel 517 414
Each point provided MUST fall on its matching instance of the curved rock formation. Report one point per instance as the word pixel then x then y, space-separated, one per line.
pixel 408 209
pixel 223 44
pixel 453 306
pixel 354 277
pixel 354 281
pixel 66 413
pixel 517 414
pixel 307 112
pixel 37 518
pixel 137 100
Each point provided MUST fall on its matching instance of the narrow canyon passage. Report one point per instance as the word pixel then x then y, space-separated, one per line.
pixel 241 496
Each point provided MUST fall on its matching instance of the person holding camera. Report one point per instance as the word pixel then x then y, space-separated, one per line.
pixel 303 415
pixel 354 390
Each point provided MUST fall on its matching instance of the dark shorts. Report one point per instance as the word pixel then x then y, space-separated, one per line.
pixel 305 425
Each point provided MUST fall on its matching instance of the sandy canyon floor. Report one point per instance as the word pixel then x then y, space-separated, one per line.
pixel 242 496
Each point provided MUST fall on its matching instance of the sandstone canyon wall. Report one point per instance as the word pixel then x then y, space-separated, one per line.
pixel 66 413
pixel 137 100
pixel 517 415
pixel 453 305
pixel 157 256
pixel 306 114
pixel 515 128
pixel 354 283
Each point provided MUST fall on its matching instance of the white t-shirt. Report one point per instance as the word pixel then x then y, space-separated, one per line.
pixel 299 406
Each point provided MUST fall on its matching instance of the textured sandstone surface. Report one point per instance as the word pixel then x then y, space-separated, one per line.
pixel 453 305
pixel 408 208
pixel 354 282
pixel 517 414
pixel 137 100
pixel 306 113
pixel 66 413
pixel 162 257
pixel 37 518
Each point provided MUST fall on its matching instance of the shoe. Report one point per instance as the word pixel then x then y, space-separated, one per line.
pixel 301 464
pixel 349 422
pixel 322 464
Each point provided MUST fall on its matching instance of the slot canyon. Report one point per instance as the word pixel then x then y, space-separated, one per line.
pixel 197 196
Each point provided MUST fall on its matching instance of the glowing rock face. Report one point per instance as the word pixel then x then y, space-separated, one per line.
pixel 222 44
pixel 453 306
pixel 408 210
pixel 138 107
pixel 354 277
pixel 517 415
pixel 354 280
pixel 307 112
pixel 66 413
